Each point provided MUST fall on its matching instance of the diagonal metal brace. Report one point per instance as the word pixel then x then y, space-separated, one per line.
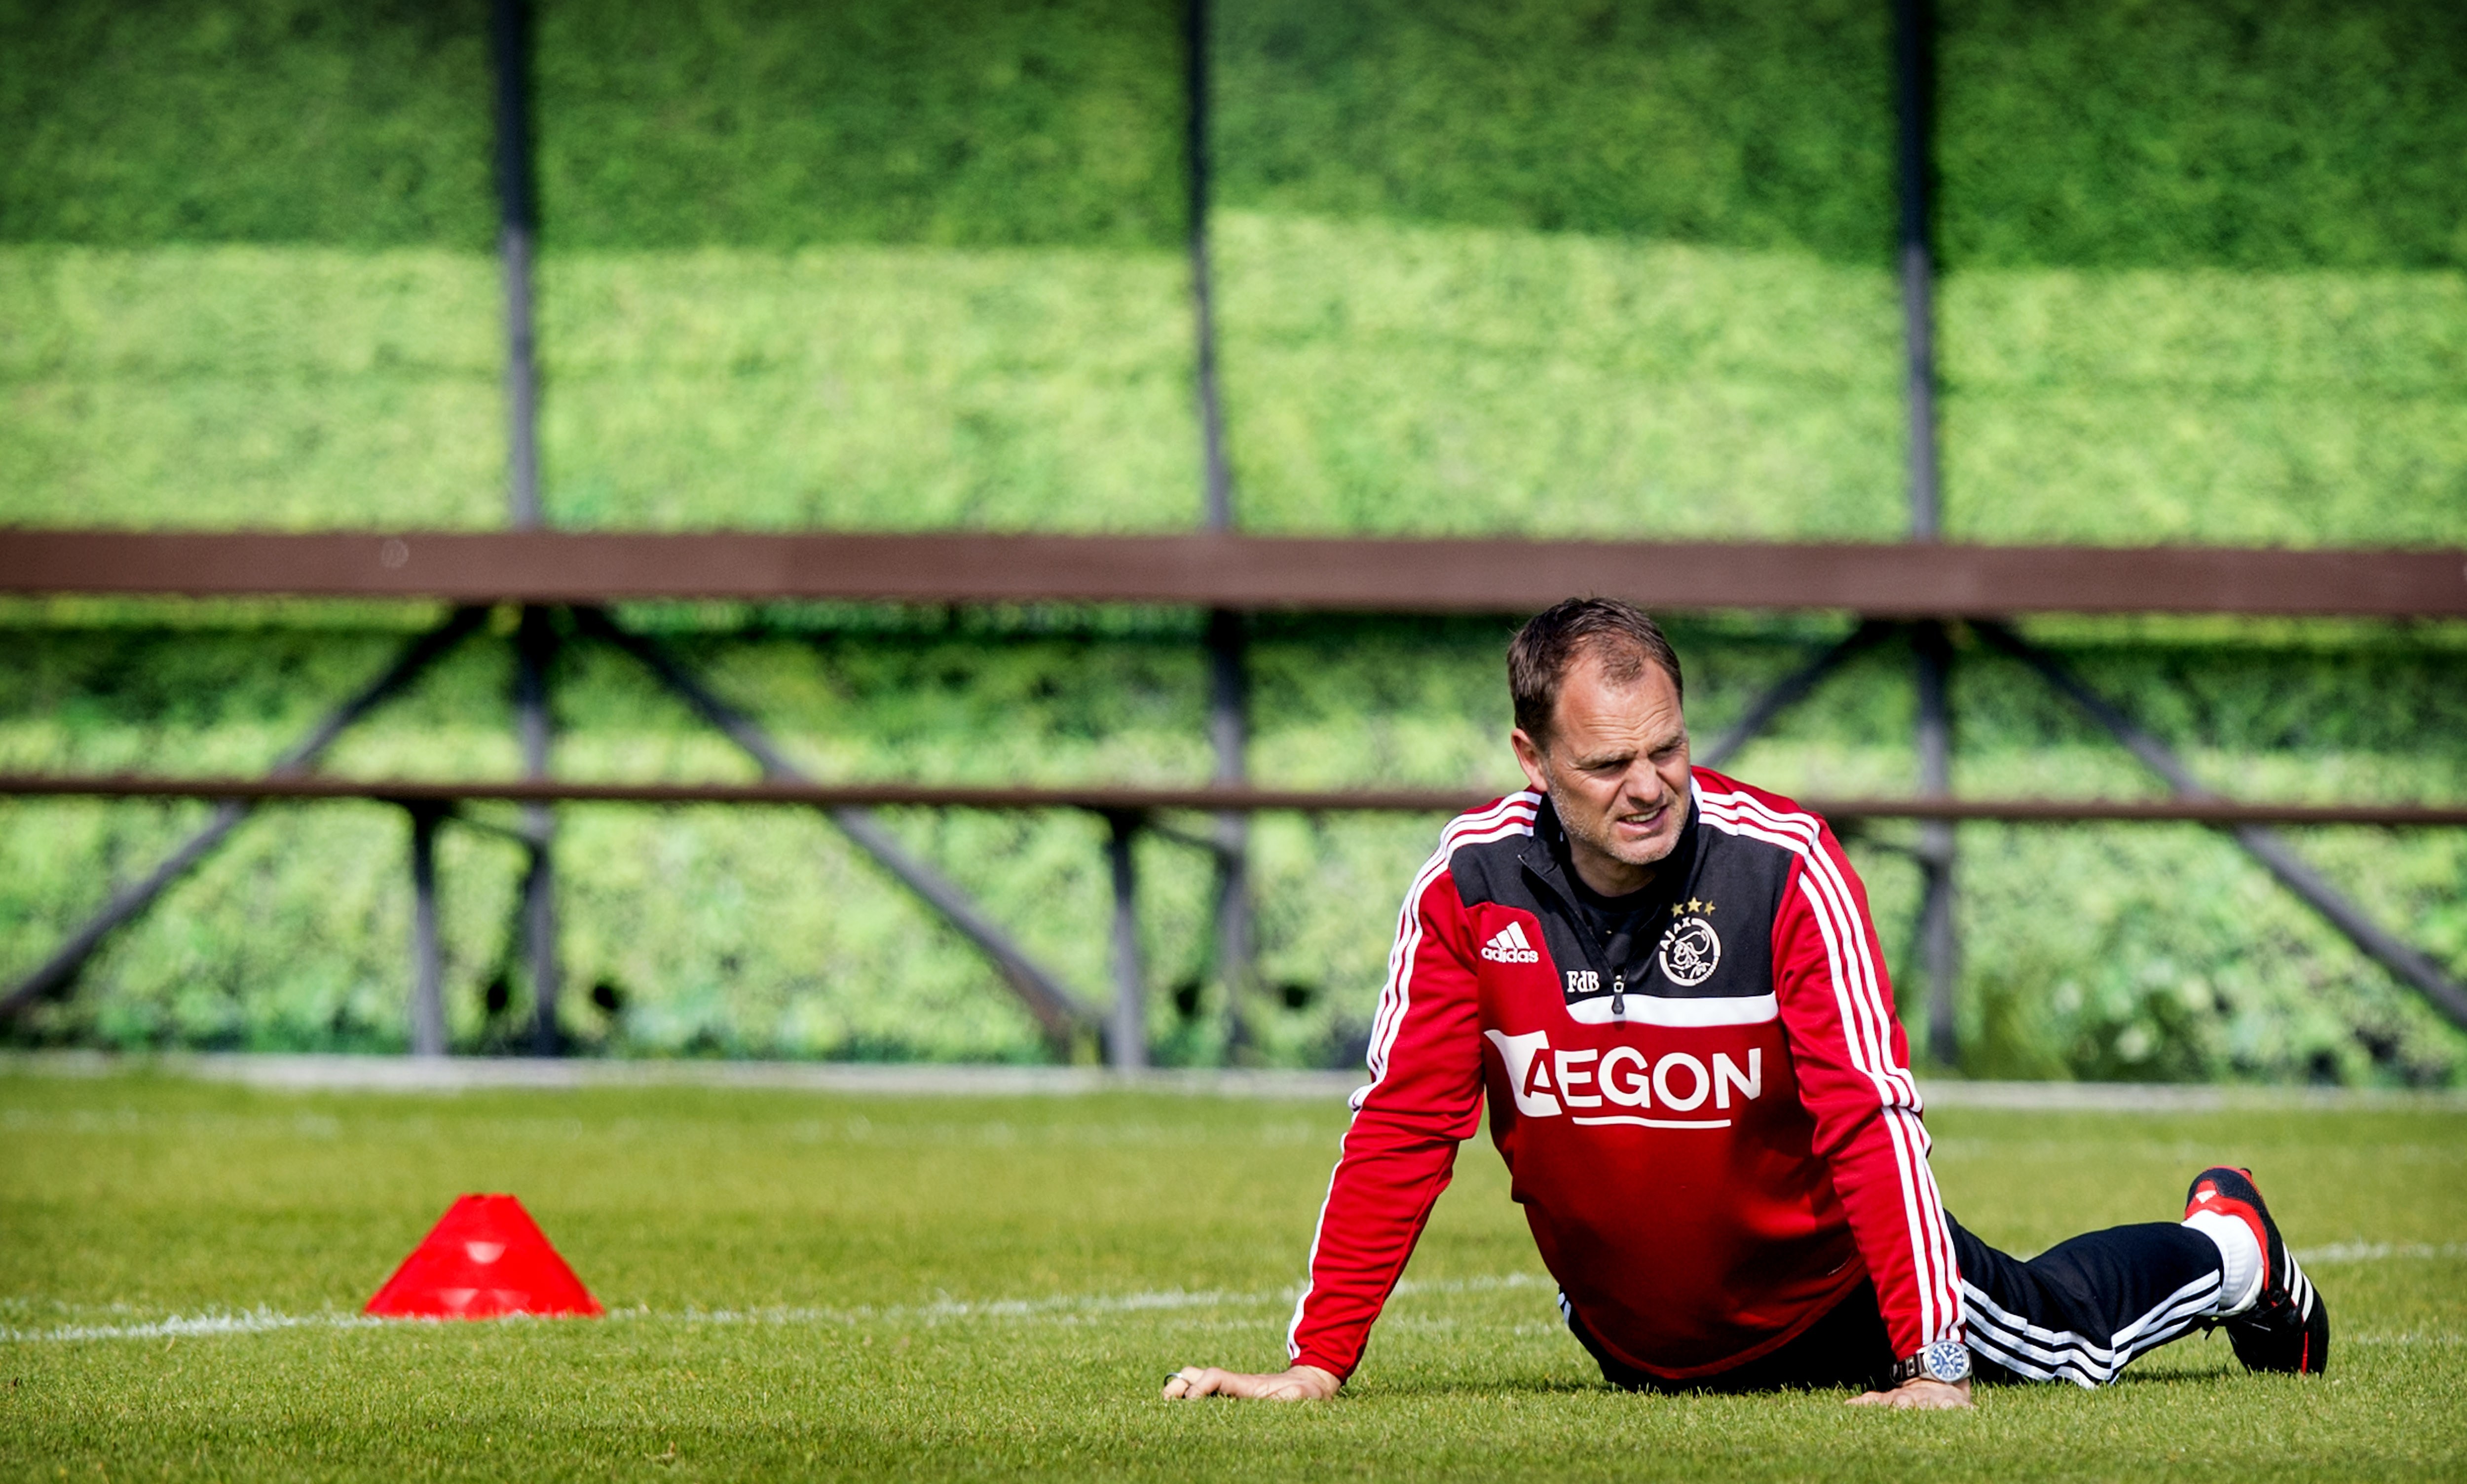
pixel 58 974
pixel 1790 690
pixel 2402 958
pixel 1059 1012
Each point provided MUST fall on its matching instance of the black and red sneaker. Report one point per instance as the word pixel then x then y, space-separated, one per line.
pixel 2287 1327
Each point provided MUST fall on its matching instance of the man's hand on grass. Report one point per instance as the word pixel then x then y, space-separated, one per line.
pixel 1302 1384
pixel 1920 1395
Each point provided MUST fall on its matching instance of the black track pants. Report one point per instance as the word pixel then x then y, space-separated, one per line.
pixel 2079 1312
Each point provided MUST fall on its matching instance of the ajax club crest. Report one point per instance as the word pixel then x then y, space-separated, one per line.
pixel 1690 950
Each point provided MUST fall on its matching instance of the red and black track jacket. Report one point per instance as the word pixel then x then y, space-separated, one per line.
pixel 1711 1149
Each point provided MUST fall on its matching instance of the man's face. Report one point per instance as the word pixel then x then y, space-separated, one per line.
pixel 1616 767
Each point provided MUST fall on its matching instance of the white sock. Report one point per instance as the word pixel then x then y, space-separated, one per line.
pixel 2239 1260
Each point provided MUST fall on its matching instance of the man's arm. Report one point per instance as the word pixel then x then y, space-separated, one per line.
pixel 1423 1099
pixel 1852 1064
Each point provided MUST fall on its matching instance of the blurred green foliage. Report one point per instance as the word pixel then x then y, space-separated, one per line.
pixel 1378 378
pixel 2258 134
pixel 245 384
pixel 749 124
pixel 859 385
pixel 2083 133
pixel 1751 125
pixel 1386 378
pixel 137 123
pixel 1545 268
pixel 772 124
pixel 1571 269
pixel 2325 408
pixel 2088 133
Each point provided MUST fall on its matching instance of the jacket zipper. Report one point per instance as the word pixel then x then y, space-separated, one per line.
pixel 1584 936
pixel 1583 932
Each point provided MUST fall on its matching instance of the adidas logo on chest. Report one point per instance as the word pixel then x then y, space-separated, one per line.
pixel 1509 945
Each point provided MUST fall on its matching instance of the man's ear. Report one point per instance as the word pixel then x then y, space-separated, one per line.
pixel 1529 757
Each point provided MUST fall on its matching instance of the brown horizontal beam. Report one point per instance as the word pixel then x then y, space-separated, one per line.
pixel 1209 799
pixel 1249 572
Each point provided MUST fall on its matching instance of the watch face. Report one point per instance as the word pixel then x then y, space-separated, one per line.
pixel 1947 1361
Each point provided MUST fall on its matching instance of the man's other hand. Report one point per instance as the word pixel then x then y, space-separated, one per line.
pixel 1921 1395
pixel 1302 1384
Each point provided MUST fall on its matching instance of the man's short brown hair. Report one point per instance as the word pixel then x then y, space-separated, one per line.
pixel 1621 635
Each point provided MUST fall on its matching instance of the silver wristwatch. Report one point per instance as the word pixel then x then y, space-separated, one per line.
pixel 1947 1361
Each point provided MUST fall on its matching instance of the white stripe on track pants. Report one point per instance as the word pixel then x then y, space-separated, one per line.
pixel 2079 1312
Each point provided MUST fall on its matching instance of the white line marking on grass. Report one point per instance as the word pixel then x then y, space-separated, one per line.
pixel 255 1321
pixel 1062 1308
pixel 2378 1251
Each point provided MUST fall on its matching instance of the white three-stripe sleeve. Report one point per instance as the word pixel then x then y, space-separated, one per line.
pixel 1512 814
pixel 1873 1104
pixel 1423 1096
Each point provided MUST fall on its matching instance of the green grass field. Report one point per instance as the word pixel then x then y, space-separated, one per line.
pixel 942 1286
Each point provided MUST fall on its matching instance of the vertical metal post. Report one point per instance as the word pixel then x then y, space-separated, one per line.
pixel 1127 1027
pixel 1212 424
pixel 1911 72
pixel 534 649
pixel 1229 723
pixel 1939 946
pixel 509 44
pixel 1229 727
pixel 427 962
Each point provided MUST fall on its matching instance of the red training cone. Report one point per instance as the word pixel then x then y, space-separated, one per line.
pixel 486 1258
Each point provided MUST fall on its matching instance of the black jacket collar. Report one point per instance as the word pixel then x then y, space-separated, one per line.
pixel 1545 855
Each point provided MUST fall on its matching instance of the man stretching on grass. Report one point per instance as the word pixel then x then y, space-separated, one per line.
pixel 1665 983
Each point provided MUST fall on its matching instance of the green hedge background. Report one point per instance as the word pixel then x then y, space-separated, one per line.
pixel 1609 269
